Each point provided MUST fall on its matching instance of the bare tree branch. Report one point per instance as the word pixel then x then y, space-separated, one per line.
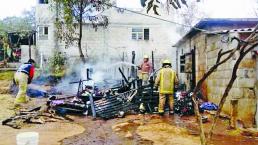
pixel 200 82
pixel 234 75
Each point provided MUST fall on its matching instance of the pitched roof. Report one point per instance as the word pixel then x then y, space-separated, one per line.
pixel 218 24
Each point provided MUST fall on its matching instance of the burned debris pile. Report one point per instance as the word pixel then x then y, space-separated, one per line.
pixel 101 100
pixel 118 105
pixel 35 115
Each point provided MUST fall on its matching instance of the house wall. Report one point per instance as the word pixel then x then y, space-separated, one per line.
pixel 184 78
pixel 243 88
pixel 25 53
pixel 207 48
pixel 198 42
pixel 111 43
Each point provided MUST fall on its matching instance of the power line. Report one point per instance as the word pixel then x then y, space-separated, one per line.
pixel 176 23
pixel 165 20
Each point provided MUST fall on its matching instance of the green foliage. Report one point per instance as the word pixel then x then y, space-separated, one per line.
pixel 57 63
pixel 72 15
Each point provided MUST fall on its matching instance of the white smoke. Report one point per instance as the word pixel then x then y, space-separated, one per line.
pixel 104 74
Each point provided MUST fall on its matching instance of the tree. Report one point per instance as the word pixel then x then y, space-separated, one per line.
pixel 23 27
pixel 73 14
pixel 154 4
pixel 190 16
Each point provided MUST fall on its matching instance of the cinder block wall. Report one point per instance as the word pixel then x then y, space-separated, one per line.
pixel 243 88
pixel 207 48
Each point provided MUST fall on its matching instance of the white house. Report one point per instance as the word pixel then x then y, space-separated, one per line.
pixel 125 33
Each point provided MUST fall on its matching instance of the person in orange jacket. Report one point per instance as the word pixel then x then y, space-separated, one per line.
pixel 166 80
pixel 145 70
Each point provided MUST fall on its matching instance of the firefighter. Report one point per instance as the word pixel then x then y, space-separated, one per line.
pixel 22 78
pixel 145 68
pixel 166 80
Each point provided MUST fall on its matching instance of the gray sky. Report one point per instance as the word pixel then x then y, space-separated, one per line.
pixel 15 7
pixel 216 8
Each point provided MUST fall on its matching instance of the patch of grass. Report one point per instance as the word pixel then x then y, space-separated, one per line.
pixel 6 75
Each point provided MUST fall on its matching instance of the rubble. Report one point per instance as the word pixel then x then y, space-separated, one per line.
pixel 117 100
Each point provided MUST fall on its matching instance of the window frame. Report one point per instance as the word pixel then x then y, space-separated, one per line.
pixel 139 33
pixel 43 1
pixel 43 32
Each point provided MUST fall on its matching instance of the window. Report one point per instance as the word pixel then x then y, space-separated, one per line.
pixel 43 1
pixel 43 32
pixel 140 33
pixel 182 63
pixel 146 34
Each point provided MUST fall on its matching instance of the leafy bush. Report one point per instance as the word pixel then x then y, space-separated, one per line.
pixel 57 63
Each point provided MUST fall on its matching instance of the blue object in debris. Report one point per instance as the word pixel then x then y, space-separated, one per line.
pixel 208 106
pixel 36 93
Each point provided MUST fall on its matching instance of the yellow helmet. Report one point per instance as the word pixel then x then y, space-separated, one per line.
pixel 145 56
pixel 166 61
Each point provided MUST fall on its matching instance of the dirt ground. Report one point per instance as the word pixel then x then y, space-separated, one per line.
pixel 153 130
pixel 132 130
pixel 49 133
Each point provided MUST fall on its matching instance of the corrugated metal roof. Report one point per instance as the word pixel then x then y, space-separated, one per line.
pixel 242 30
pixel 211 25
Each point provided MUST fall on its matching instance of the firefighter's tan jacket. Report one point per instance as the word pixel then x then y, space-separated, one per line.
pixel 166 80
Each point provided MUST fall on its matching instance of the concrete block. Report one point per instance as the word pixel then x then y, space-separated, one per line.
pixel 213 83
pixel 209 82
pixel 245 82
pixel 225 82
pixel 236 93
pixel 248 93
pixel 248 63
pixel 246 111
pixel 219 82
pixel 211 62
pixel 215 75
pixel 248 56
pixel 202 67
pixel 246 73
pixel 226 74
pixel 213 46
pixel 212 54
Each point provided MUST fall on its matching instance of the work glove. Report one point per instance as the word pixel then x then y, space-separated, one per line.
pixel 14 82
pixel 29 81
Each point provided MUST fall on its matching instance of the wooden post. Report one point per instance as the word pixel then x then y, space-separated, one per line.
pixel 133 74
pixel 29 45
pixel 152 59
pixel 233 113
pixel 92 107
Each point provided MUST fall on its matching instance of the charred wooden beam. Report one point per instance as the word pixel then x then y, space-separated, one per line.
pixel 125 79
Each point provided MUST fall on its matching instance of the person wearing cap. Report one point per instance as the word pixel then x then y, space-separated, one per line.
pixel 145 70
pixel 166 80
pixel 22 78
